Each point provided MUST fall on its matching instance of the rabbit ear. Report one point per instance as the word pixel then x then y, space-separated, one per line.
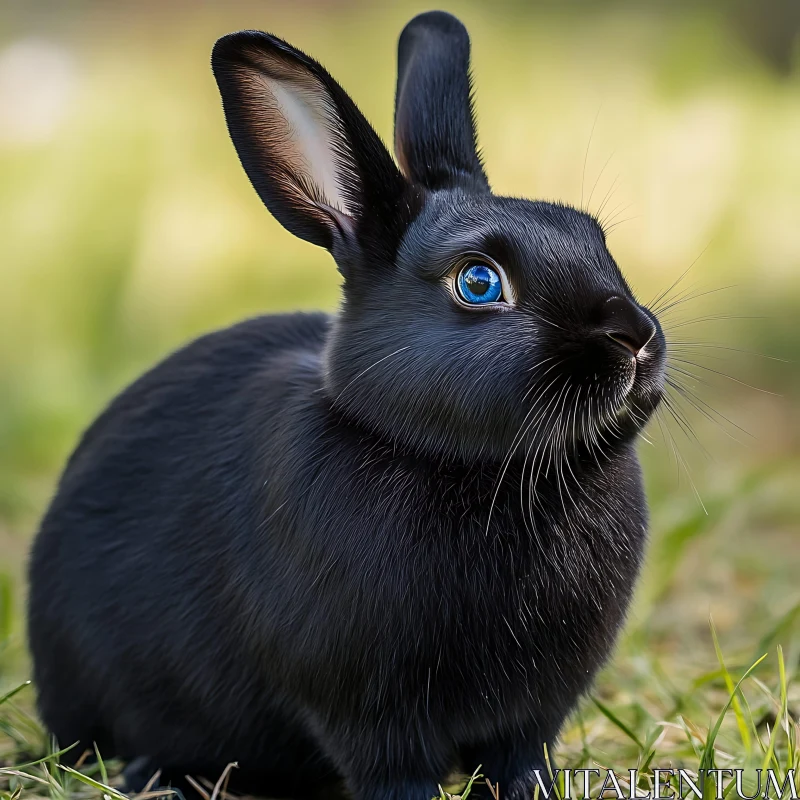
pixel 308 151
pixel 435 140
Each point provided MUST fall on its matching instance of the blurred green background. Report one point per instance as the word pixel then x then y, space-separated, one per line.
pixel 127 227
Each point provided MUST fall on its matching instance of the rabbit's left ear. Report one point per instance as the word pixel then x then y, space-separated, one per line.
pixel 434 123
pixel 312 157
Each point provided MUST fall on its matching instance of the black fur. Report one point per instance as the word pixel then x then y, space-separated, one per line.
pixel 370 548
pixel 435 149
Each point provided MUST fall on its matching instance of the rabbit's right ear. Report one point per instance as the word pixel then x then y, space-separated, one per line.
pixel 434 123
pixel 312 157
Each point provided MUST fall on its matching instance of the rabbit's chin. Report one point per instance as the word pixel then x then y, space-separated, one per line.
pixel 640 402
pixel 627 414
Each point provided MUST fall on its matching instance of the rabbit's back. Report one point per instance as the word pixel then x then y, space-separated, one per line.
pixel 132 568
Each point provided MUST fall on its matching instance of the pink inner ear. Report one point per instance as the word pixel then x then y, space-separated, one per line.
pixel 293 117
pixel 400 152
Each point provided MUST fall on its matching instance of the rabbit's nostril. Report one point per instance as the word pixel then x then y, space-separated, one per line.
pixel 627 324
pixel 626 342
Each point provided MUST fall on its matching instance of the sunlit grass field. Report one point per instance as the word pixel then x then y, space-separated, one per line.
pixel 127 227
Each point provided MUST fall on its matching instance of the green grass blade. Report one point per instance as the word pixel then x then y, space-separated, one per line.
pixel 707 761
pixel 553 782
pixel 690 737
pixel 744 733
pixel 468 788
pixel 101 764
pixel 45 759
pixel 649 751
pixel 56 788
pixel 26 776
pixel 13 692
pixel 101 787
pixel 614 719
pixel 779 717
pixel 785 708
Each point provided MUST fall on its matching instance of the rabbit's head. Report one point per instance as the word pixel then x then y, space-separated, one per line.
pixel 472 325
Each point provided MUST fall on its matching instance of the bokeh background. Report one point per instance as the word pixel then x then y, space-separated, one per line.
pixel 127 227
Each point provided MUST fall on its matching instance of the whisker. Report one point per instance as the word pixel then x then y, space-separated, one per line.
pixel 364 372
pixel 666 292
pixel 725 375
pixel 709 318
pixel 686 299
pixel 608 195
pixel 675 344
pixel 586 154
pixel 679 457
pixel 708 411
pixel 520 436
pixel 609 228
pixel 683 423
pixel 615 212
pixel 597 180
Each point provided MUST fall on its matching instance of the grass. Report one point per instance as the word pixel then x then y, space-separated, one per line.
pixel 127 227
pixel 742 717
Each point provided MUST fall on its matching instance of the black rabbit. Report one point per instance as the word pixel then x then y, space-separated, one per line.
pixel 370 548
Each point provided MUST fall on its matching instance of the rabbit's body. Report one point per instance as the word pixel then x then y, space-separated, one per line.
pixel 293 579
pixel 376 546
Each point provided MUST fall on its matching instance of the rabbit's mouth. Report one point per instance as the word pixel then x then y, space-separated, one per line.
pixel 645 387
pixel 610 386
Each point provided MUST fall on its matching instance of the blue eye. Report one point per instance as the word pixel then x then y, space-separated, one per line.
pixel 479 284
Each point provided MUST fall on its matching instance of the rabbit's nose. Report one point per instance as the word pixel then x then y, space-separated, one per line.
pixel 627 324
